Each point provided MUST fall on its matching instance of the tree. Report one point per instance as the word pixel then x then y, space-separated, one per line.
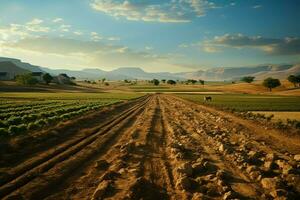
pixel 47 78
pixel 26 79
pixel 171 82
pixel 294 79
pixel 248 79
pixel 163 80
pixel 155 82
pixel 271 83
pixel 201 82
pixel 103 80
pixel 192 81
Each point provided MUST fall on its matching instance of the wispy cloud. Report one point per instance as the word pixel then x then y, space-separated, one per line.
pixel 273 46
pixel 257 6
pixel 57 20
pixel 94 53
pixel 172 11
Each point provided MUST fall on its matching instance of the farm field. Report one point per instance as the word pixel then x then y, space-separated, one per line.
pixel 154 147
pixel 25 112
pixel 248 102
pixel 281 115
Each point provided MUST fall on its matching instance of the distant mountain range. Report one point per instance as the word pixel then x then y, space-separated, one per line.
pixel 214 74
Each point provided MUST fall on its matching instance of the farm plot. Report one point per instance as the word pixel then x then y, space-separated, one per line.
pixel 243 102
pixel 162 147
pixel 22 113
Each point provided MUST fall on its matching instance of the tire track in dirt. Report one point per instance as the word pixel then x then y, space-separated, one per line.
pixel 156 169
pixel 137 165
pixel 103 167
pixel 97 139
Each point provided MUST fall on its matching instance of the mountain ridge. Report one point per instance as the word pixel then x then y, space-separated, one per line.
pixel 214 74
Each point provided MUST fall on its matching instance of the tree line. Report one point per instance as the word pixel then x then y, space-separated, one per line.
pixel 273 82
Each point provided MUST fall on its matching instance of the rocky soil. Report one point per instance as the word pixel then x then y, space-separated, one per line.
pixel 162 147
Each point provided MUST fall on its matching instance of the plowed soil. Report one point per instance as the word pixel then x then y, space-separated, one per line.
pixel 160 147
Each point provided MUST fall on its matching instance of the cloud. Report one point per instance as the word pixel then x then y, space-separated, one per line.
pixel 257 6
pixel 35 25
pixel 18 31
pixel 57 20
pixel 113 38
pixel 78 33
pixel 148 48
pixel 172 11
pixel 273 46
pixel 35 22
pixel 95 53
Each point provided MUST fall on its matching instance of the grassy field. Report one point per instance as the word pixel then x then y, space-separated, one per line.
pixel 246 102
pixel 167 88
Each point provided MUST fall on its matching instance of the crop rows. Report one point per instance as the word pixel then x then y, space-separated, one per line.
pixel 246 102
pixel 20 119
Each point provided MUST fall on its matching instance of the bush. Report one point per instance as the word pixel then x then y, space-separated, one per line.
pixel 16 130
pixel 280 124
pixel 14 120
pixel 26 79
pixel 155 82
pixel 47 78
pixel 248 79
pixel 41 122
pixel 171 82
pixel 3 123
pixel 3 132
pixel 269 118
pixel 52 120
pixel 66 116
pixel 33 126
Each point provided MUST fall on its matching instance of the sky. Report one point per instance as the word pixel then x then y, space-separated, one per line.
pixel 155 35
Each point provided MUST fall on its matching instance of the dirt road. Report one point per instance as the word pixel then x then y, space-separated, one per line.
pixel 161 147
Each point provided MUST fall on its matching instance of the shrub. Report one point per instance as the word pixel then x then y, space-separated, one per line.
pixel 248 79
pixel 41 122
pixel 155 82
pixel 65 116
pixel 3 123
pixel 33 126
pixel 3 132
pixel 14 120
pixel 33 117
pixel 269 117
pixel 26 79
pixel 294 79
pixel 47 78
pixel 280 124
pixel 171 82
pixel 52 120
pixel 16 130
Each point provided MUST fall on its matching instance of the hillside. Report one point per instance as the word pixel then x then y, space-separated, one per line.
pixel 213 74
pixel 260 72
pixel 11 68
pixel 21 64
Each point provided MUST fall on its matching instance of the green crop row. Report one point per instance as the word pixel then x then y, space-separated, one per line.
pixel 16 125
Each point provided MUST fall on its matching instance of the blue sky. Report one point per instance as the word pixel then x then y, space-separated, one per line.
pixel 170 35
